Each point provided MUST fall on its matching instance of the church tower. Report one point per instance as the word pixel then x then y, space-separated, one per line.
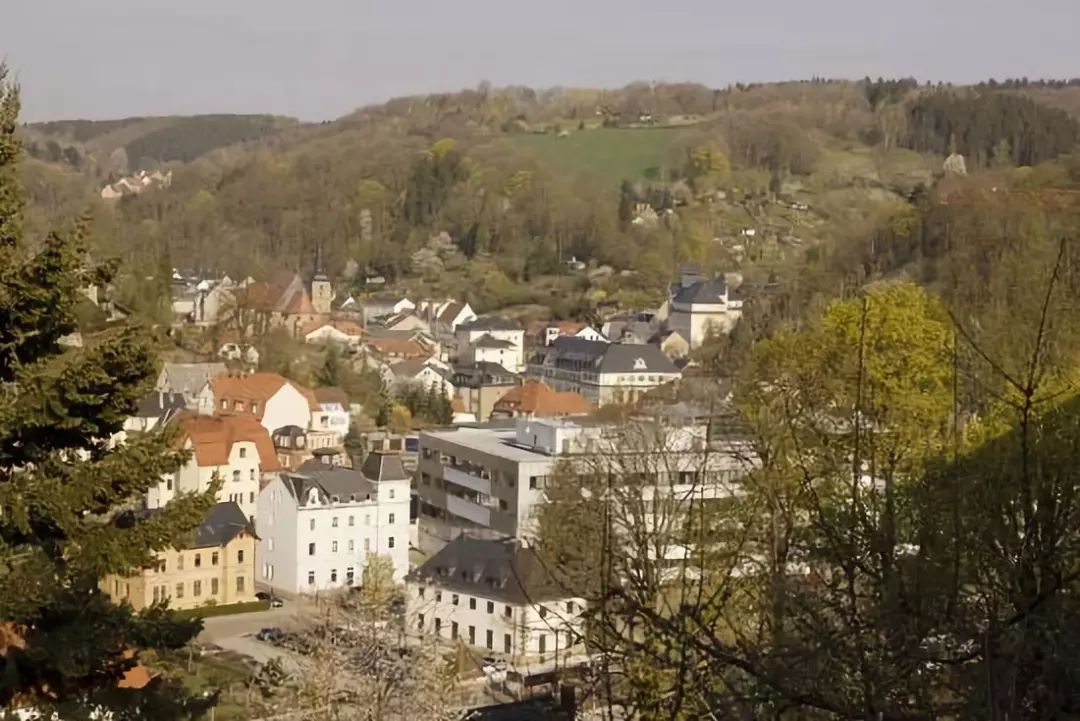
pixel 322 291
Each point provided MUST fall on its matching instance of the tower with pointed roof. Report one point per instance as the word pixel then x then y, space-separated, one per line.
pixel 322 291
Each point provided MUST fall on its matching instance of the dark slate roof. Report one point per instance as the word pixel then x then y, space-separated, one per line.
pixel 502 570
pixel 484 373
pixel 705 292
pixel 489 341
pixel 613 357
pixel 384 467
pixel 329 481
pixel 221 524
pixel 160 405
pixel 491 322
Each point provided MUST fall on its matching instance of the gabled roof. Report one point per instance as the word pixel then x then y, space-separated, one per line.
pixel 344 484
pixel 410 368
pixel 332 394
pixel 491 322
pixel 398 347
pixel 222 523
pixel 212 438
pixel 489 341
pixel 484 373
pixel 348 327
pixel 537 398
pixel 500 570
pixel 704 292
pixel 189 378
pixel 451 312
pixel 258 387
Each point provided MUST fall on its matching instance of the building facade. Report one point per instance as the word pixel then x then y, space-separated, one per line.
pixel 492 334
pixel 270 398
pixel 495 596
pixel 318 525
pixel 218 568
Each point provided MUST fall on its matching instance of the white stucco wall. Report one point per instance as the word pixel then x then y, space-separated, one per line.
pixel 287 407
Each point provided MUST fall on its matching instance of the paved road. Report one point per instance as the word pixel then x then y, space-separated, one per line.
pixel 237 633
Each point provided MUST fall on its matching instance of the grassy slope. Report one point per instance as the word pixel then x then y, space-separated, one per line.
pixel 609 154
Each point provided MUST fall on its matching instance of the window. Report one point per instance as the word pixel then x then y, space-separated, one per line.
pixel 240 556
pixel 542 612
pixel 390 518
pixel 390 542
pixel 180 590
pixel 311 524
pixel 251 497
pixel 491 607
pixel 157 594
pixel 472 604
pixel 311 549
pixel 350 575
pixel 333 575
pixel 224 404
pixel 352 545
pixel 543 642
pixel 532 482
pixel 420 621
pixel 243 453
pixel 213 586
pixel 508 612
pixel 214 558
pixel 311 578
pixel 454 599
pixel 490 643
pixel 236 476
pixel 168 483
pixel 254 407
pixel 239 584
pixel 198 560
pixel 438 625
pixel 507 643
pixel 333 547
pixel 251 474
pixel 238 405
pixel 367 519
pixel 420 592
pixel 472 635
pixel 179 562
pixel 391 497
pixel 453 630
pixel 196 588
pixel 367 544
pixel 569 606
pixel 351 524
pixel 503 505
pixel 333 522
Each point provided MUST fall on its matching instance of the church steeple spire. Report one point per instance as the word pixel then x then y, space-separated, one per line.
pixel 320 271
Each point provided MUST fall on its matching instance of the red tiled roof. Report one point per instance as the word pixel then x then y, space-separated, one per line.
pixel 398 348
pixel 212 438
pixel 257 387
pixel 536 398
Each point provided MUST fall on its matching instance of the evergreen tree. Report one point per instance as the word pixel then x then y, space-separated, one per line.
pixel 63 482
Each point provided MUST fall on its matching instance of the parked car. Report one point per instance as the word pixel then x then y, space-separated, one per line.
pixel 270 634
pixel 275 602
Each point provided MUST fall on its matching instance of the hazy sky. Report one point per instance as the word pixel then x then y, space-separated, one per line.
pixel 319 59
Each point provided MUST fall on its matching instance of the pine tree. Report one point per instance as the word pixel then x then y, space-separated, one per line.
pixel 63 484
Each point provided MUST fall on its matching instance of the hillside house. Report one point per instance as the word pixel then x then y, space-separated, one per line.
pixel 489 339
pixel 270 398
pixel 535 399
pixel 341 332
pixel 384 306
pixel 697 307
pixel 480 385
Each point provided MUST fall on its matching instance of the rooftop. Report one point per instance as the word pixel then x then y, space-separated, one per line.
pixel 499 442
pixel 537 398
pixel 491 322
pixel 212 438
pixel 221 524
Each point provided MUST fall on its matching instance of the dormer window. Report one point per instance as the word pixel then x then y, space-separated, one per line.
pixel 243 453
pixel 254 407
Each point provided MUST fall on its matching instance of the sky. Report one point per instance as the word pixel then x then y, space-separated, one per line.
pixel 320 59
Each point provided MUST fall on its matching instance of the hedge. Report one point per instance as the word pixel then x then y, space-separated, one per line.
pixel 223 610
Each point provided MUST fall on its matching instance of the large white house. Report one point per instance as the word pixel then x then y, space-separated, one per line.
pixel 234 448
pixel 492 339
pixel 697 306
pixel 318 525
pixel 495 595
pixel 270 398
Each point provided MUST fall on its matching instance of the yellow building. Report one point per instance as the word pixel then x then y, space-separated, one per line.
pixel 217 568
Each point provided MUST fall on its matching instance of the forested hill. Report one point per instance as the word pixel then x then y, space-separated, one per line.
pixel 121 146
pixel 766 180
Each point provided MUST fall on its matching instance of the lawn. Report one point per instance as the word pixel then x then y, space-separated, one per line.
pixel 610 154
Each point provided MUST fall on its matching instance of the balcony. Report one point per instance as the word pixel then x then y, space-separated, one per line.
pixel 468 510
pixel 467 480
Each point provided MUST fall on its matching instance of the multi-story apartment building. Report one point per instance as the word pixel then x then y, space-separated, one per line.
pixel 319 524
pixel 481 385
pixel 486 482
pixel 216 568
pixel 495 595
pixel 604 373
pixel 235 448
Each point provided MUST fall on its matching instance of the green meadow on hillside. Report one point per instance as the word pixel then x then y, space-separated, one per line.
pixel 609 154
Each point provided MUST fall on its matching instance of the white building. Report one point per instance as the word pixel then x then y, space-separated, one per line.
pixel 492 337
pixel 270 398
pixel 333 415
pixel 495 595
pixel 234 448
pixel 318 525
pixel 697 307
pixel 486 482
